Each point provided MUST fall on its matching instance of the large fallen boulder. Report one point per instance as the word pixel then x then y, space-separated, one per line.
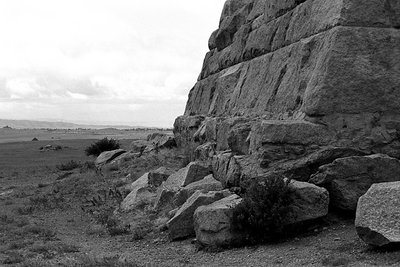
pixel 378 212
pixel 205 185
pixel 193 172
pixel 309 202
pixel 349 178
pixel 141 193
pixel 181 225
pixel 108 156
pixel 212 223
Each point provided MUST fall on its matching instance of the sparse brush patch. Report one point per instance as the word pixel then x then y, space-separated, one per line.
pixel 113 225
pixel 13 258
pixel 69 166
pixel 111 168
pixel 140 230
pixel 25 210
pixel 261 214
pixel 102 145
pixel 113 261
pixel 51 200
pixel 87 166
pixel 19 244
pixel 35 230
pixel 53 247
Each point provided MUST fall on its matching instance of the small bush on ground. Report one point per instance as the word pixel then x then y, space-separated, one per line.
pixel 102 145
pixel 69 166
pixel 261 214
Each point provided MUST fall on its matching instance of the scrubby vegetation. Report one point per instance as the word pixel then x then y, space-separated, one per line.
pixel 69 166
pixel 102 145
pixel 262 212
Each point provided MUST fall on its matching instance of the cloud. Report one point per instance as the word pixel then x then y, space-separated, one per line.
pixel 82 59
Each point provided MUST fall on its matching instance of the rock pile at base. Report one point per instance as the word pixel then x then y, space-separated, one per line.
pixel 308 90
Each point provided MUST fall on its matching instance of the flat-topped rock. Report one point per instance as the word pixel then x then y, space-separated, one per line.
pixel 205 185
pixel 193 172
pixel 213 224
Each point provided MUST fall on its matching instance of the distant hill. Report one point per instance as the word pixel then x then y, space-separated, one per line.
pixel 28 124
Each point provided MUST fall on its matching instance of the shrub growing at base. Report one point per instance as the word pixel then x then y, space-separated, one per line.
pixel 262 212
pixel 102 145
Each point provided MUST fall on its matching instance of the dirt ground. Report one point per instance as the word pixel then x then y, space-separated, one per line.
pixel 53 217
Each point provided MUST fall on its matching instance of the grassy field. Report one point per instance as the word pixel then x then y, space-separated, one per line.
pixel 51 216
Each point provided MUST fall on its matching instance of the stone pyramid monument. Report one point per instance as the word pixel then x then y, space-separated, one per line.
pixel 290 85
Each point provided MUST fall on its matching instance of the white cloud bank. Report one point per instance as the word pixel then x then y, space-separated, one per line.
pixel 107 61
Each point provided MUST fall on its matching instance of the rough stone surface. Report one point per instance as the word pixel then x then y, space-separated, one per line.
pixel 303 73
pixel 289 86
pixel 377 217
pixel 141 192
pixel 108 156
pixel 206 151
pixel 205 185
pixel 125 157
pixel 310 202
pixel 301 169
pixel 163 141
pixel 181 225
pixel 212 223
pixel 157 177
pixel 349 178
pixel 166 193
pixel 193 172
pixel 165 199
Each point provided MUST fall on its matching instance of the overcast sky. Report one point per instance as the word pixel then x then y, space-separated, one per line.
pixel 102 61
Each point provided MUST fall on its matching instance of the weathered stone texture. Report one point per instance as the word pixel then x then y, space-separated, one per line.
pixel 349 178
pixel 213 223
pixel 182 225
pixel 378 211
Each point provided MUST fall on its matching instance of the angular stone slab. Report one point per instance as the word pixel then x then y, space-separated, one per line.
pixel 193 172
pixel 181 225
pixel 310 202
pixel 205 185
pixel 378 212
pixel 108 156
pixel 212 223
pixel 141 192
pixel 349 178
